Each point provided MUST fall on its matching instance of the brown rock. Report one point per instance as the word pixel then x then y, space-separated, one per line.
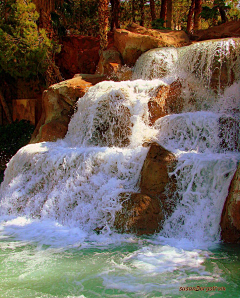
pixel 53 130
pixel 230 221
pixel 143 213
pixel 175 38
pixel 132 45
pixel 24 109
pixel 57 106
pixel 154 174
pixel 110 61
pixel 166 100
pixel 79 54
pixel 229 29
pixel 136 40
pixel 140 214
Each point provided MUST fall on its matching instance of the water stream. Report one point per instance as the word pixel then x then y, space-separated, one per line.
pixel 55 196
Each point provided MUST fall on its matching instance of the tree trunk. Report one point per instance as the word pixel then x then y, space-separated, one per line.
pixel 103 24
pixel 115 14
pixel 197 12
pixel 163 12
pixel 142 2
pixel 153 10
pixel 169 14
pixel 133 11
pixel 5 107
pixel 190 17
pixel 52 73
pixel 1 115
pixel 222 14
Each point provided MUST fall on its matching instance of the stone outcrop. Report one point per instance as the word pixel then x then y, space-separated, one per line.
pixel 25 109
pixel 144 212
pixel 230 222
pixel 166 100
pixel 229 29
pixel 136 40
pixel 57 108
pixel 79 54
pixel 174 38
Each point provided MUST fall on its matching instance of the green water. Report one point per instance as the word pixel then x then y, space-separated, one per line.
pixel 139 269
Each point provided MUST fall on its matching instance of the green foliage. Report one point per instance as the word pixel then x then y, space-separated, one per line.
pixel 159 24
pixel 23 48
pixel 209 13
pixel 14 136
pixel 77 17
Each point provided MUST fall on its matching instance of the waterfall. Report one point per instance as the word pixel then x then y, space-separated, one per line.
pixel 77 181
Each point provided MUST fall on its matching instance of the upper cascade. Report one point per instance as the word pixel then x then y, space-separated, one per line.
pixel 79 180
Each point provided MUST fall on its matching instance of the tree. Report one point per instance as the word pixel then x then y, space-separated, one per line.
pixel 153 10
pixel 142 3
pixel 115 4
pixel 163 12
pixel 190 17
pixel 103 23
pixel 197 15
pixel 194 16
pixel 44 8
pixel 23 48
pixel 169 14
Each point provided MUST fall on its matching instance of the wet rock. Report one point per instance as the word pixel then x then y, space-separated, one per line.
pixel 230 221
pixel 154 174
pixel 144 212
pixel 57 108
pixel 140 214
pixel 167 100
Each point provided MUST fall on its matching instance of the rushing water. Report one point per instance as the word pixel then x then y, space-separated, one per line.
pixel 56 196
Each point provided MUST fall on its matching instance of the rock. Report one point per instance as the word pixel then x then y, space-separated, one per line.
pixel 136 40
pixel 132 45
pixel 154 174
pixel 24 109
pixel 140 214
pixel 144 212
pixel 174 38
pixel 91 78
pixel 230 221
pixel 79 54
pixel 166 100
pixel 57 108
pixel 229 29
pixel 109 62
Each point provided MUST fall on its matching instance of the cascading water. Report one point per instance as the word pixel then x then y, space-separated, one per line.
pixel 57 195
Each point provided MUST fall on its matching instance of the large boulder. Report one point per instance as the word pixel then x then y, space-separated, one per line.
pixel 230 222
pixel 79 54
pixel 144 212
pixel 57 108
pixel 229 29
pixel 136 40
pixel 154 174
pixel 174 38
pixel 166 100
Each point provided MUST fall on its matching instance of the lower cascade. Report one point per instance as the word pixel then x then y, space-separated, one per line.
pixel 69 193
